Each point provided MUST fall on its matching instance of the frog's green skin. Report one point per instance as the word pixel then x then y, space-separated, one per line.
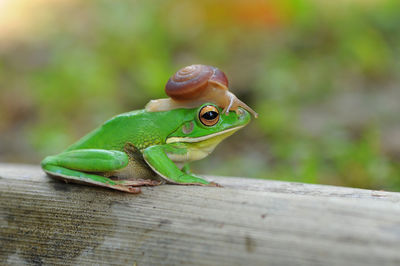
pixel 139 147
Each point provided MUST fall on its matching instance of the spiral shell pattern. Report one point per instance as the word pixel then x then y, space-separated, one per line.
pixel 189 82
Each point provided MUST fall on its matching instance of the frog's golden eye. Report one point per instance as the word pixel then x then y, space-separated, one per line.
pixel 209 115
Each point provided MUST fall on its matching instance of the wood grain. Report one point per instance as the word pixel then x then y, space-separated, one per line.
pixel 247 222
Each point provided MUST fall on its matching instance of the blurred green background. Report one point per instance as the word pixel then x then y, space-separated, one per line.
pixel 323 75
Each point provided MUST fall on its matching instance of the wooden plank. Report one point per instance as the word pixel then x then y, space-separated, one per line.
pixel 248 222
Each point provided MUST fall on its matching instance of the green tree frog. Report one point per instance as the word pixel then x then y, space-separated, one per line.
pixel 154 145
pixel 146 148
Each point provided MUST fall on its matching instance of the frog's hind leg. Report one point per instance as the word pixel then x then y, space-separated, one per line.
pixel 74 176
pixel 81 166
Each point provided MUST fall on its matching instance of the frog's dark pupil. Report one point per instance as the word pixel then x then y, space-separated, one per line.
pixel 210 115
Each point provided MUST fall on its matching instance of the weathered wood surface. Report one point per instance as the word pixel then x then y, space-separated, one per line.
pixel 248 222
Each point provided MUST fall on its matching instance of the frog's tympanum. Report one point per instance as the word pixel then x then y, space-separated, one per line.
pixel 154 145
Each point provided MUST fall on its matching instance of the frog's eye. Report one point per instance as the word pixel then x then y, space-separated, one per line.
pixel 209 115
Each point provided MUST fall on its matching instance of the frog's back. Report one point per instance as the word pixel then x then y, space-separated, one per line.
pixel 141 128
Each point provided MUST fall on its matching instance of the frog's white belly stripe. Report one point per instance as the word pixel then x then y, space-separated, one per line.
pixel 188 139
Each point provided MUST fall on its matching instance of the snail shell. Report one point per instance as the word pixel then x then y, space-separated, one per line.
pixel 194 85
pixel 190 82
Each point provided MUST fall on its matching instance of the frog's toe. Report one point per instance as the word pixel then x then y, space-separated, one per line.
pixel 213 184
pixel 134 190
pixel 209 184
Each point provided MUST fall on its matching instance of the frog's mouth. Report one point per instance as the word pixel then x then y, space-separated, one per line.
pixel 220 135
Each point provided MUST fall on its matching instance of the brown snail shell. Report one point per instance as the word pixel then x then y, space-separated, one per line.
pixel 191 81
pixel 194 85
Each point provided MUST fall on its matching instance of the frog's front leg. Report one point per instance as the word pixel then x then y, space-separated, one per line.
pixel 157 158
pixel 81 166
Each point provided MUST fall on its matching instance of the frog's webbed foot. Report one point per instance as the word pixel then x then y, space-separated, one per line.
pixel 133 186
pixel 141 182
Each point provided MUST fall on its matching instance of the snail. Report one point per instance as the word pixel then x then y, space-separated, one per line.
pixel 194 85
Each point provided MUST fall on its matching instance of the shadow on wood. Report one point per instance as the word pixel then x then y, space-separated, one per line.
pixel 248 222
